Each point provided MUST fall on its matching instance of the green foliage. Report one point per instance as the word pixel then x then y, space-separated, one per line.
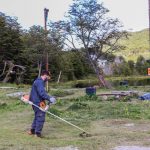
pixel 61 93
pixel 137 44
pixel 132 68
pixel 10 42
pixel 102 119
pixel 86 98
pixel 126 98
pixel 91 108
pixel 55 111
pixel 11 45
pixel 141 65
pixel 97 35
pixel 29 47
pixel 3 105
pixel 85 83
pixel 78 105
pixel 132 81
pixel 73 66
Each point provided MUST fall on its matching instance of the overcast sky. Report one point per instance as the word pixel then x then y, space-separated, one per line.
pixel 132 13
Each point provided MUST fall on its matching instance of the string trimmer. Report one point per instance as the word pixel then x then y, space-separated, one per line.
pixel 25 99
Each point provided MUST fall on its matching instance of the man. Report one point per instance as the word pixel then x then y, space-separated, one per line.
pixel 38 96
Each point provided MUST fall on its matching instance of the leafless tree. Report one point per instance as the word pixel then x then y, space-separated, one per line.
pixel 11 68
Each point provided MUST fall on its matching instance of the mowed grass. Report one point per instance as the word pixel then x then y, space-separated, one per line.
pixel 110 122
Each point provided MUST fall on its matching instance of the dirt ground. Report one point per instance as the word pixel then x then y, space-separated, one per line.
pixel 132 148
pixel 131 135
pixel 116 148
pixel 65 148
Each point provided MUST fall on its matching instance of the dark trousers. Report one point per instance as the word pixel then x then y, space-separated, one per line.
pixel 39 119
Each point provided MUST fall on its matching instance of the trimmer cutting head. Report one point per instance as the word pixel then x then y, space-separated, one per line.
pixel 84 134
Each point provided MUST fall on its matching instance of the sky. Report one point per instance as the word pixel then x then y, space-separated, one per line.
pixel 132 13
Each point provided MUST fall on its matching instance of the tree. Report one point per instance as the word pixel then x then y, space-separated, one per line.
pixel 88 27
pixel 10 41
pixel 141 65
pixel 38 42
pixel 75 65
pixel 15 71
pixel 11 47
pixel 121 67
pixel 131 65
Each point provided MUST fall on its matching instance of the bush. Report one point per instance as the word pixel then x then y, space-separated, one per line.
pixel 55 111
pixel 3 105
pixel 85 83
pixel 86 98
pixel 79 105
pixel 61 93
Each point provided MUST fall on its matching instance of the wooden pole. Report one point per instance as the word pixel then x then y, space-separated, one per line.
pixel 45 27
pixel 59 77
pixel 149 21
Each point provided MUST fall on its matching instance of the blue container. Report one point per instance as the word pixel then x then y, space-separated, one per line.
pixel 91 91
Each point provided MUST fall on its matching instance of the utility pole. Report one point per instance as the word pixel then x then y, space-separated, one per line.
pixel 149 21
pixel 148 69
pixel 45 27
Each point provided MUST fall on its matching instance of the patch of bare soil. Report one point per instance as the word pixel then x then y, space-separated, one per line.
pixel 65 148
pixel 119 134
pixel 131 148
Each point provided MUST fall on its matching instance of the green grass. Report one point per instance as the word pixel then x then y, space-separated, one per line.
pixel 104 119
pixel 137 44
pixel 64 89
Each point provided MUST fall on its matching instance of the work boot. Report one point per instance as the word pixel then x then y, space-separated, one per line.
pixel 31 132
pixel 38 135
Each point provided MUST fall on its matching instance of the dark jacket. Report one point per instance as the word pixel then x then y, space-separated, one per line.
pixel 38 92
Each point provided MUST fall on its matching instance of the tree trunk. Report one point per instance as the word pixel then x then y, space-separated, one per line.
pixel 7 77
pixel 100 75
pixel 39 68
pixel 102 81
pixel 10 70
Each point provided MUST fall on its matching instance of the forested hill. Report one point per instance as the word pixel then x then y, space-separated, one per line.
pixel 136 44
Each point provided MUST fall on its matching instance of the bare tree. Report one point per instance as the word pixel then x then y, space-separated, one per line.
pixel 18 70
pixel 88 27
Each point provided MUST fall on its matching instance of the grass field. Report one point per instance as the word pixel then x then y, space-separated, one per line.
pixel 111 122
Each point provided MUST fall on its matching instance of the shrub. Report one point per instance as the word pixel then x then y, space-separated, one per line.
pixel 61 93
pixel 86 98
pixel 85 83
pixel 79 105
pixel 3 105
pixel 55 111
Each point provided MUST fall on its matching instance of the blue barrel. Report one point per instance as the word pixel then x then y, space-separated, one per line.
pixel 91 91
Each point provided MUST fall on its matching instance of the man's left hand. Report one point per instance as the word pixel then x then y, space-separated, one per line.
pixel 53 100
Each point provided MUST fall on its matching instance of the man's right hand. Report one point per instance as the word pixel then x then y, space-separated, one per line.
pixel 47 107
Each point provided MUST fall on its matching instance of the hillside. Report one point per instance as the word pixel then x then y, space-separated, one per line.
pixel 136 44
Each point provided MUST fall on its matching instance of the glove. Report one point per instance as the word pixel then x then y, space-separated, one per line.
pixel 46 108
pixel 52 100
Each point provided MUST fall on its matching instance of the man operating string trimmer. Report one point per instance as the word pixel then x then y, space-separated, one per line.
pixel 38 96
pixel 37 99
